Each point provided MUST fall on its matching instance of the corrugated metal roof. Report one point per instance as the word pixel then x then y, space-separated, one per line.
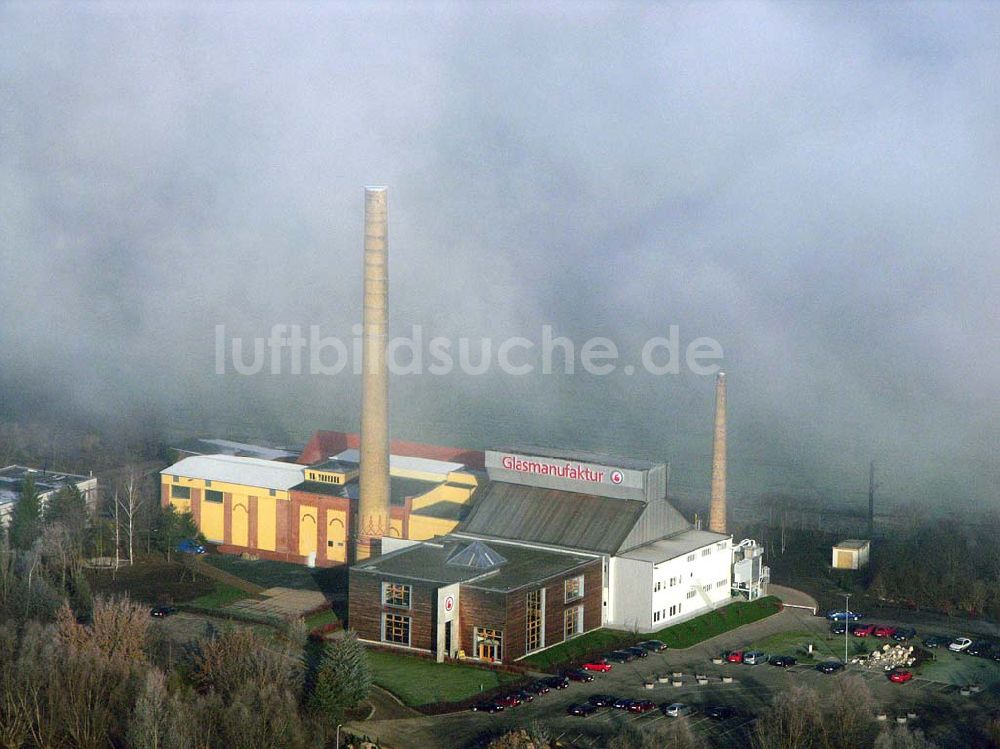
pixel 551 517
pixel 406 463
pixel 267 474
pixel 675 546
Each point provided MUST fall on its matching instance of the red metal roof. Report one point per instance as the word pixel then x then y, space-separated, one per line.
pixel 325 444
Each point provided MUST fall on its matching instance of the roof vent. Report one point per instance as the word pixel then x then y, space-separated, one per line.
pixel 476 555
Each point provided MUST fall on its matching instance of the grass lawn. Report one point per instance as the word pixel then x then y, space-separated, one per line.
pixel 826 646
pixel 222 596
pixel 320 619
pixel 150 580
pixel 418 681
pixel 679 636
pixel 270 574
pixel 959 668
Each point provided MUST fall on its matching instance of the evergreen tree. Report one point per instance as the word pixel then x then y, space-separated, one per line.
pixel 26 520
pixel 172 527
pixel 343 679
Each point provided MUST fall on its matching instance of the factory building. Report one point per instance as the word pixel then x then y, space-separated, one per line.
pixel 47 483
pixel 647 567
pixel 308 513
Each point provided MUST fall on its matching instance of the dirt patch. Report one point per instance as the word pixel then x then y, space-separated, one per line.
pixel 150 580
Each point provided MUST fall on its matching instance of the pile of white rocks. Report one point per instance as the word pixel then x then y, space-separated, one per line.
pixel 888 658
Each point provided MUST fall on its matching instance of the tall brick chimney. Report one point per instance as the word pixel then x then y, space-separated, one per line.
pixel 373 505
pixel 717 510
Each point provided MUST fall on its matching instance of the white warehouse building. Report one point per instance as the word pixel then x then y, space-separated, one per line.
pixel 657 568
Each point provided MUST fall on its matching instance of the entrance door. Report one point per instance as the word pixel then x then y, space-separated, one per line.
pixel 489 644
pixel 447 638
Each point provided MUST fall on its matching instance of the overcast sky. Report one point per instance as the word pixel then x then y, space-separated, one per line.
pixel 815 186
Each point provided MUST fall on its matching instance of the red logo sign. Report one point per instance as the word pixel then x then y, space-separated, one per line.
pixel 617 477
pixel 449 603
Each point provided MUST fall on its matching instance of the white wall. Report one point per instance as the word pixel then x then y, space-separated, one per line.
pixel 691 573
pixel 631 584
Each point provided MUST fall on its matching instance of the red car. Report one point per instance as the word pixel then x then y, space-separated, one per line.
pixel 883 630
pixel 735 656
pixel 641 706
pixel 508 700
pixel 864 631
pixel 601 666
pixel 900 675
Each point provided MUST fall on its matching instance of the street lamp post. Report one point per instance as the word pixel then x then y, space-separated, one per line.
pixel 337 741
pixel 847 625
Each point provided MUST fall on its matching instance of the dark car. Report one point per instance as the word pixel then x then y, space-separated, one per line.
pixel 537 687
pixel 602 700
pixel 524 695
pixel 637 651
pixel 936 641
pixel 161 611
pixel 190 546
pixel 578 674
pixel 641 706
pixel 982 648
pixel 486 706
pixel 720 712
pixel 839 627
pixel 784 661
pixel 556 682
pixel 829 667
pixel 619 656
pixel 622 703
pixel 583 709
pixel 844 616
pixel 653 646
pixel 904 633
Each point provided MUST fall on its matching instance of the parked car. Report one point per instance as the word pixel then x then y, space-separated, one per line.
pixel 676 709
pixel 556 682
pixel 735 656
pixel 982 648
pixel 960 644
pixel 524 695
pixel 829 667
pixel 719 712
pixel 576 674
pixel 884 630
pixel 900 675
pixel 754 657
pixel 904 633
pixel 190 546
pixel 582 709
pixel 537 687
pixel 602 700
pixel 637 651
pixel 863 630
pixel 784 661
pixel 600 666
pixel 838 627
pixel 619 656
pixel 936 641
pixel 508 700
pixel 486 706
pixel 622 703
pixel 844 616
pixel 159 612
pixel 641 706
pixel 653 646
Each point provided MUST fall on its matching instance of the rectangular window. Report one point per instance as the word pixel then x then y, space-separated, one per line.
pixel 396 628
pixel 488 643
pixel 535 617
pixel 721 545
pixel 691 594
pixel 706 552
pixel 396 594
pixel 673 610
pixel 656 616
pixel 211 495
pixel 572 622
pixel 208 483
pixel 180 492
pixel 656 588
pixel 574 588
pixel 707 587
pixel 691 557
pixel 272 492
pixel 722 584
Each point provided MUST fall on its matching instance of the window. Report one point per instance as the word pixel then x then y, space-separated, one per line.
pixel 721 545
pixel 535 620
pixel 674 581
pixel 707 587
pixel 488 643
pixel 272 492
pixel 180 492
pixel 656 616
pixel 396 594
pixel 706 552
pixel 572 622
pixel 208 483
pixel 675 609
pixel 722 584
pixel 177 478
pixel 691 557
pixel 396 628
pixel 691 594
pixel 656 588
pixel 211 495
pixel 574 588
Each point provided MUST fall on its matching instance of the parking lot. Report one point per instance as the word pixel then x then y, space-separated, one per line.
pixel 927 697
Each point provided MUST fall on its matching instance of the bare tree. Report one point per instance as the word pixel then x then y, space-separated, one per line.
pixel 902 737
pixel 131 498
pixel 794 721
pixel 850 717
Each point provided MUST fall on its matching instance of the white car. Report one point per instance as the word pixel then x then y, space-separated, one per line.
pixel 677 709
pixel 754 657
pixel 959 644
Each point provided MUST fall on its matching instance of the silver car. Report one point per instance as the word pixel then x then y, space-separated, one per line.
pixel 754 657
pixel 676 709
